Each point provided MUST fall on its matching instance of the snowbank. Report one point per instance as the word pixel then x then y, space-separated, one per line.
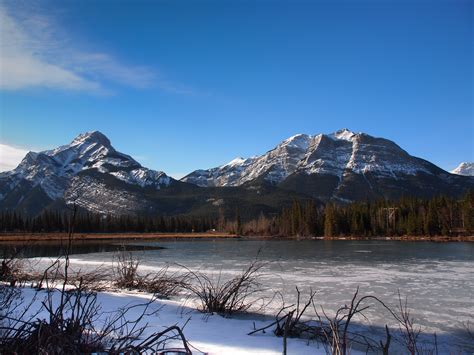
pixel 211 334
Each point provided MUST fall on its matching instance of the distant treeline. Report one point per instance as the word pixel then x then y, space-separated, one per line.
pixel 408 216
pixel 55 221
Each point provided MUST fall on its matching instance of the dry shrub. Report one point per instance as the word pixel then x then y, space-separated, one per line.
pixel 334 331
pixel 71 327
pixel 74 322
pixel 226 297
pixel 161 283
pixel 73 316
pixel 126 270
pixel 11 268
pixel 95 280
pixel 292 320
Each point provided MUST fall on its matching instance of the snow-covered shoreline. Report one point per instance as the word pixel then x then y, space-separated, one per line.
pixel 206 333
pixel 336 283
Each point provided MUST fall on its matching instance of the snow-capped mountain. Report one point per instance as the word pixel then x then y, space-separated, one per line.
pixel 333 154
pixel 342 165
pixel 75 169
pixel 466 169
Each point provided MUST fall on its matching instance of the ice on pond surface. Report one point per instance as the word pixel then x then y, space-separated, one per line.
pixel 436 278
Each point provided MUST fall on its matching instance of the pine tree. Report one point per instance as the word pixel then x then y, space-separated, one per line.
pixel 431 220
pixel 329 221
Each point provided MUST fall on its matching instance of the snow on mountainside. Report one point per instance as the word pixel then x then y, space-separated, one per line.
pixel 54 170
pixel 341 166
pixel 466 169
pixel 334 154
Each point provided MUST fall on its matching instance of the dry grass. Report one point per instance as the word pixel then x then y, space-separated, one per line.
pixel 28 237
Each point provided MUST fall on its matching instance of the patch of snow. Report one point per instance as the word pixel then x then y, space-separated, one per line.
pixel 211 334
pixel 343 134
pixel 143 177
pixel 299 141
pixel 54 169
pixel 332 154
pixel 466 169
pixel 234 162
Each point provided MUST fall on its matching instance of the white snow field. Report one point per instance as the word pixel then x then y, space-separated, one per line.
pixel 209 334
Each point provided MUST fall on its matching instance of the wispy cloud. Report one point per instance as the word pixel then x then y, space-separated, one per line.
pixel 36 52
pixel 10 157
pixel 24 48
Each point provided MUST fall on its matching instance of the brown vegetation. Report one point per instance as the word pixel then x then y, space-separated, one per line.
pixel 333 331
pixel 226 297
pixel 161 283
pixel 72 322
pixel 70 303
pixel 28 237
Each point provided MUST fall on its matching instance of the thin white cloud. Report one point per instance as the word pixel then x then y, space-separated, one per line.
pixel 105 66
pixel 25 46
pixel 10 157
pixel 35 52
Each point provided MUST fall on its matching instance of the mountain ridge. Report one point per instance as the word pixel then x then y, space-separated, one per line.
pixel 333 162
pixel 342 166
pixel 60 171
pixel 303 147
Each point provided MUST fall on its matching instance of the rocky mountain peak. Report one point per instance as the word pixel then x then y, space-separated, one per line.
pixel 55 170
pixel 340 166
pixel 91 138
pixel 465 168
pixel 299 141
pixel 87 146
pixel 335 154
pixel 343 134
pixel 234 162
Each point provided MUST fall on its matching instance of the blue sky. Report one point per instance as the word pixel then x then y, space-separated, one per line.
pixel 186 85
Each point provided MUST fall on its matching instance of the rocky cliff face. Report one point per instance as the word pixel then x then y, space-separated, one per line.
pixel 88 171
pixel 343 165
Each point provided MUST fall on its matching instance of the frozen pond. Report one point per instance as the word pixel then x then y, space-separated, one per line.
pixel 437 278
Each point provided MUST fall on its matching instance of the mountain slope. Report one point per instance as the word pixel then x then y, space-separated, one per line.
pixel 341 166
pixel 60 174
pixel 92 174
pixel 466 169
